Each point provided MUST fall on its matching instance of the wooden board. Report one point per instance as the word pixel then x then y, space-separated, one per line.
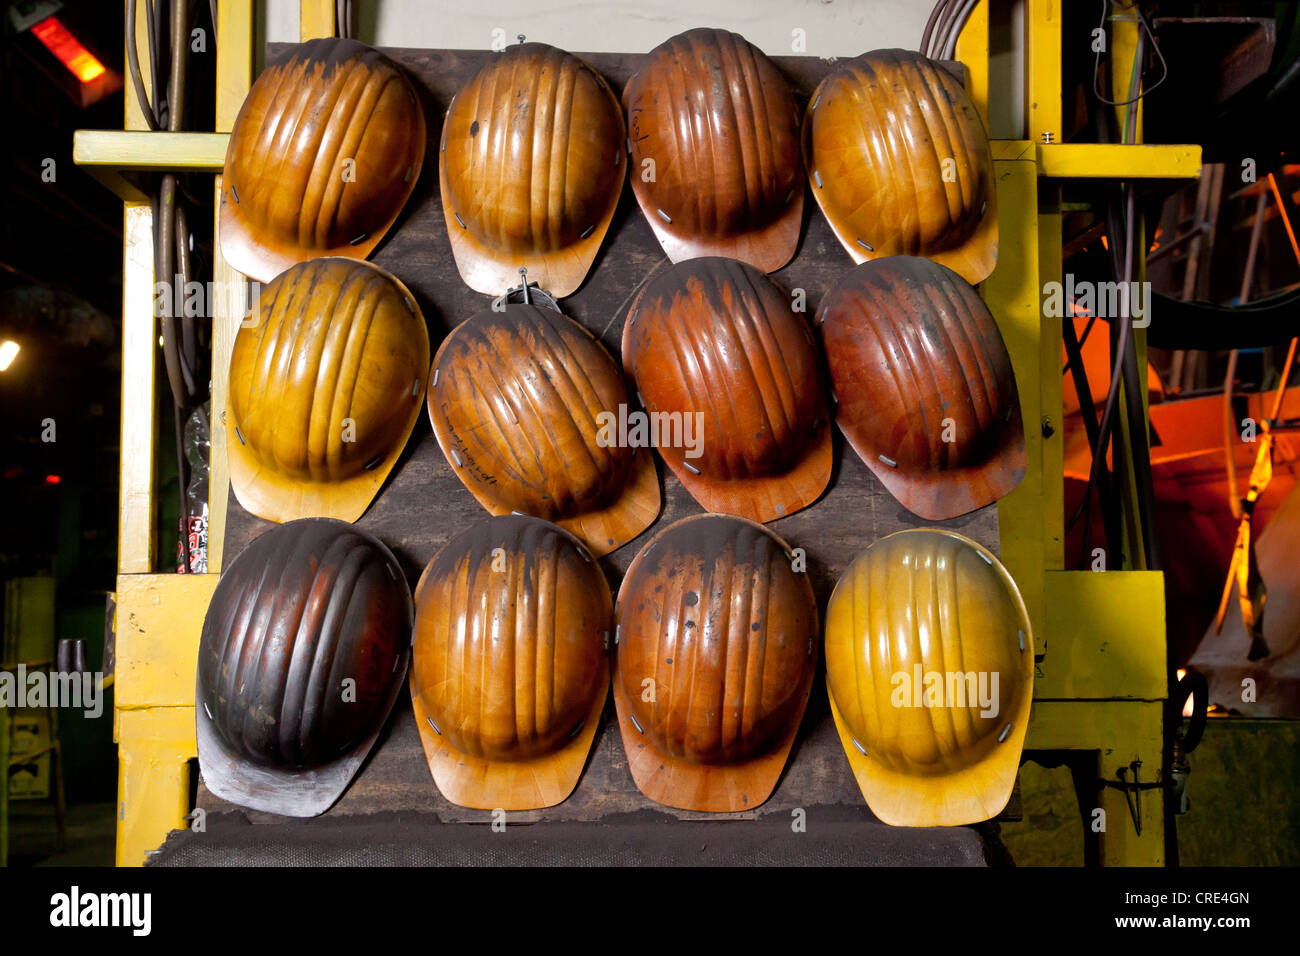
pixel 423 503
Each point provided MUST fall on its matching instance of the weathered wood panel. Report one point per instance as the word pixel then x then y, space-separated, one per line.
pixel 424 504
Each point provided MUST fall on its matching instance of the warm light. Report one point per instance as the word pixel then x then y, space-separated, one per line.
pixel 1187 705
pixel 8 352
pixel 59 41
pixel 52 479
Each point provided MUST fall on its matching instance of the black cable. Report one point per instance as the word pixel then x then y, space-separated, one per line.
pixel 924 48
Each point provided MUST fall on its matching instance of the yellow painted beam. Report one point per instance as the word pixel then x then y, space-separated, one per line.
pixel 136 518
pixel 1102 160
pixel 1120 732
pixel 1113 161
pixel 234 61
pixel 1043 70
pixel 973 52
pixel 153 777
pixel 146 151
pixel 227 314
pixel 1012 295
pixel 315 19
pixel 159 621
pixel 1108 636
pixel 234 78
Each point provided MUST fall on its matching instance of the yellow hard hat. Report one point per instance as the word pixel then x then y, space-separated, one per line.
pixel 900 164
pixel 929 666
pixel 326 382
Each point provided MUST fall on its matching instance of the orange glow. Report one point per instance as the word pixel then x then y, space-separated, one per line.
pixel 59 41
pixel 1187 705
pixel 52 479
pixel 1104 244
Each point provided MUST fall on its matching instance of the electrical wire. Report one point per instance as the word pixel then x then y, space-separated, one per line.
pixel 954 30
pixel 1096 62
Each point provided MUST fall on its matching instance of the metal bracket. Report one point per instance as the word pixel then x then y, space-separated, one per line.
pixel 1132 790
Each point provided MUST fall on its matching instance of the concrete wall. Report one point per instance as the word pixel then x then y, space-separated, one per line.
pixel 829 28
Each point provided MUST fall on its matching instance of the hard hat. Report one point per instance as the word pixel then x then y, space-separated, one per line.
pixel 925 391
pixel 303 650
pixel 511 670
pixel 531 166
pixel 714 343
pixel 930 667
pixel 323 156
pixel 716 648
pixel 900 165
pixel 713 135
pixel 520 400
pixel 326 382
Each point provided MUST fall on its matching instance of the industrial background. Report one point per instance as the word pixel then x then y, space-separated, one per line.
pixel 98 457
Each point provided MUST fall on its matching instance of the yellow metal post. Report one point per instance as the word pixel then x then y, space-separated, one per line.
pixel 159 616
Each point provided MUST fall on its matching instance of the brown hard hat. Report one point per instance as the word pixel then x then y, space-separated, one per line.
pixel 519 400
pixel 531 166
pixel 324 153
pixel 303 650
pixel 899 163
pixel 715 341
pixel 511 669
pixel 925 390
pixel 326 381
pixel 930 669
pixel 713 134
pixel 716 647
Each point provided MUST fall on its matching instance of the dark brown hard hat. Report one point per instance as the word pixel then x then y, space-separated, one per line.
pixel 713 134
pixel 715 341
pixel 899 163
pixel 511 669
pixel 323 156
pixel 716 648
pixel 531 167
pixel 517 399
pixel 925 390
pixel 303 651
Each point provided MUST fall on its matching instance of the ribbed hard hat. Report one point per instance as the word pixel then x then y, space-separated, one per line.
pixel 718 339
pixel 322 157
pixel 938 750
pixel 715 656
pixel 713 134
pixel 326 383
pixel 925 390
pixel 531 166
pixel 511 670
pixel 520 401
pixel 302 655
pixel 899 163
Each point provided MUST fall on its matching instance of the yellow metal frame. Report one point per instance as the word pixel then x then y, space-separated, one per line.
pixel 1101 675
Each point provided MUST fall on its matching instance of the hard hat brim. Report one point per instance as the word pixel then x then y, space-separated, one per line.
pixel 767 248
pixel 708 788
pixel 300 793
pixel 274 496
pixel 512 785
pixel 767 497
pixel 940 495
